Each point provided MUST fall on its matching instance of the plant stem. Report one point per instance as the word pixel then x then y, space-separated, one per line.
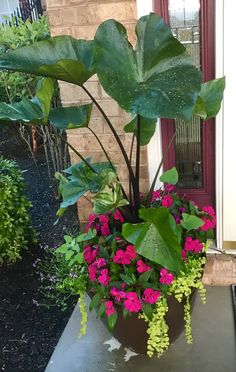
pixel 130 159
pixel 131 173
pixel 137 168
pixel 77 153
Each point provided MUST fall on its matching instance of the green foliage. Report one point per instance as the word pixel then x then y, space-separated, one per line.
pixel 31 111
pixel 15 225
pixel 190 222
pixel 14 85
pixel 156 238
pixel 209 99
pixel 71 117
pixel 170 176
pixel 147 129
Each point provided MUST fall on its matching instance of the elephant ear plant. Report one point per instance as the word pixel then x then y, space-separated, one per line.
pixel 137 249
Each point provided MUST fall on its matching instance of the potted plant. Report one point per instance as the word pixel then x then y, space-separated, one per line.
pixel 138 251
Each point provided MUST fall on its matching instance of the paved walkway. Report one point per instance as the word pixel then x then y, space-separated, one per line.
pixel 213 349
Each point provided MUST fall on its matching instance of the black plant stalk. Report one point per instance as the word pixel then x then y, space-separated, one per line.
pixel 137 168
pixel 128 164
pixel 130 159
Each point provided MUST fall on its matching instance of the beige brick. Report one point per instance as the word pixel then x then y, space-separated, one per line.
pixel 77 141
pixel 121 11
pixel 61 31
pixel 97 125
pixel 86 32
pixel 54 3
pixel 207 279
pixel 221 280
pixel 234 266
pixel 210 265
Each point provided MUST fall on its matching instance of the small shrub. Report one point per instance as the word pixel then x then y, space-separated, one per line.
pixel 15 225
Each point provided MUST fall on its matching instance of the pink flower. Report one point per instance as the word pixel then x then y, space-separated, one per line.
pixel 123 285
pixel 132 303
pixel 100 262
pixel 169 187
pixel 100 223
pixel 192 245
pixel 118 216
pixel 166 277
pixel 104 278
pixel 177 219
pixel 125 257
pixel 182 210
pixel 151 295
pixel 142 267
pixel 92 270
pixel 209 210
pixel 110 308
pixel 121 257
pixel 130 252
pixel 156 195
pixel 90 254
pixel 167 201
pixel 208 224
pixel 118 294
pixel 184 255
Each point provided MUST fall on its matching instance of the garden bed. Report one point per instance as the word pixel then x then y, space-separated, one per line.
pixel 29 332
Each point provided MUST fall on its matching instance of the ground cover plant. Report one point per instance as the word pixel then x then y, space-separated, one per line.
pixel 137 250
pixel 16 232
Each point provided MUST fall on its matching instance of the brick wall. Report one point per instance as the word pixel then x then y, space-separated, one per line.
pixel 80 19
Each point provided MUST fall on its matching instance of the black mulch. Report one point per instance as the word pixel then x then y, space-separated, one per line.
pixel 29 333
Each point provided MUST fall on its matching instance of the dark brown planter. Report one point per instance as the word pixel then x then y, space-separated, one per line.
pixel 132 332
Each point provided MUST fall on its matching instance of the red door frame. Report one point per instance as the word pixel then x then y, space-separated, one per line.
pixel 206 194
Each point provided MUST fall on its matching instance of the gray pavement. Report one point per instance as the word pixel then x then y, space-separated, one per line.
pixel 213 349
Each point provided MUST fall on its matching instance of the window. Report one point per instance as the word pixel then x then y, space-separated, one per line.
pixel 7 7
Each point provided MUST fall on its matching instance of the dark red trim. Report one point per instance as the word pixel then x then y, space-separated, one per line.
pixel 205 195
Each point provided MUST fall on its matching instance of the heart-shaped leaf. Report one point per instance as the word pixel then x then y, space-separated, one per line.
pixel 156 79
pixel 147 129
pixel 209 99
pixel 155 238
pixel 170 176
pixel 60 57
pixel 190 222
pixel 71 117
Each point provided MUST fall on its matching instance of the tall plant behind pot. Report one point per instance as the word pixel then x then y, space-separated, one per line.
pixel 137 249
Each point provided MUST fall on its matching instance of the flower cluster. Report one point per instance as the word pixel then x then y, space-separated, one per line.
pixel 116 274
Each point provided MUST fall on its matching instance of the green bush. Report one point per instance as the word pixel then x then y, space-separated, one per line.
pixel 15 224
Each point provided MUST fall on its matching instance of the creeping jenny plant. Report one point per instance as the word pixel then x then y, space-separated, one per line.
pixel 137 250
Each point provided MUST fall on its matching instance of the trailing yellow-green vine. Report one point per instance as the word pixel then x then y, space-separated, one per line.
pixel 187 318
pixel 83 312
pixel 158 340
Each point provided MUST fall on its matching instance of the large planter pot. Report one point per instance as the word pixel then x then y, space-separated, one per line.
pixel 132 331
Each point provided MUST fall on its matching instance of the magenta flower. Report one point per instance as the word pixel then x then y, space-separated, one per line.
pixel 166 277
pixel 90 254
pixel 100 262
pixel 110 308
pixel 193 245
pixel 167 201
pixel 118 294
pixel 156 195
pixel 92 270
pixel 151 295
pixel 184 255
pixel 132 303
pixel 121 257
pixel 104 278
pixel 118 216
pixel 142 267
pixel 209 210
pixel 208 224
pixel 169 187
pixel 131 252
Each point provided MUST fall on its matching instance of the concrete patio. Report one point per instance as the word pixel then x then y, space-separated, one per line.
pixel 213 349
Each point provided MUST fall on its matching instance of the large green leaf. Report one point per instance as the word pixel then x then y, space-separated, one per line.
pixel 147 129
pixel 157 79
pixel 81 179
pixel 170 176
pixel 190 222
pixel 71 117
pixel 108 199
pixel 24 111
pixel 60 57
pixel 31 111
pixel 156 238
pixel 210 98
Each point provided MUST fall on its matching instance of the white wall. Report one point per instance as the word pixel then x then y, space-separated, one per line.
pixel 228 68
